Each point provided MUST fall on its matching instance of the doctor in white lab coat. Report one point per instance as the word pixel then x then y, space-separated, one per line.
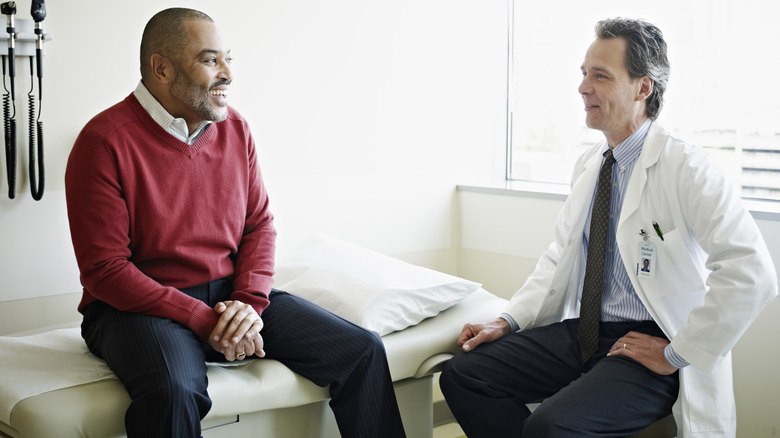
pixel 709 275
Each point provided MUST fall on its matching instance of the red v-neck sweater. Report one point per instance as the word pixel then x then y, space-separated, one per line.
pixel 150 214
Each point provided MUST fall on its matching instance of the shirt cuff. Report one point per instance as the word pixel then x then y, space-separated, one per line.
pixel 513 326
pixel 673 358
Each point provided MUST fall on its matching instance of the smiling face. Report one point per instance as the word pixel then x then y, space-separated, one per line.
pixel 614 101
pixel 202 76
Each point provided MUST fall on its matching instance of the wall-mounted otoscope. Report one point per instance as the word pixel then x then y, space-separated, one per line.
pixel 9 120
pixel 9 9
pixel 38 13
pixel 20 41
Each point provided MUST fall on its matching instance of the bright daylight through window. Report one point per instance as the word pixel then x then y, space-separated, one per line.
pixel 722 93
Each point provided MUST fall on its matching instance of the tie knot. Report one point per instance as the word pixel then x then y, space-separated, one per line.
pixel 608 157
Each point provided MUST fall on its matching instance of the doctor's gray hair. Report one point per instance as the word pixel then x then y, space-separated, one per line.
pixel 645 55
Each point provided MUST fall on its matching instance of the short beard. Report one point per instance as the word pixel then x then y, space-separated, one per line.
pixel 196 97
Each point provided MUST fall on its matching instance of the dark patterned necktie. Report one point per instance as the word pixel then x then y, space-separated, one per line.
pixel 590 306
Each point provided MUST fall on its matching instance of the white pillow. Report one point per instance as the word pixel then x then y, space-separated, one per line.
pixel 370 289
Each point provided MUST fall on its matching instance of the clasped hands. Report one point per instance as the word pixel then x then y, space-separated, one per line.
pixel 237 331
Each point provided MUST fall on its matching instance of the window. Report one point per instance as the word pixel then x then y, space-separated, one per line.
pixel 722 94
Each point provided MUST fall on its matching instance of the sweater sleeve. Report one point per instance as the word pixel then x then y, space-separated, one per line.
pixel 254 266
pixel 99 225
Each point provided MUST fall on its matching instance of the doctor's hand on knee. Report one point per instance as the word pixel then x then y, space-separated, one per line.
pixel 475 334
pixel 645 349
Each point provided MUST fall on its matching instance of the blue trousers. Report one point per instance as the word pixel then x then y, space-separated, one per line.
pixel 162 364
pixel 488 388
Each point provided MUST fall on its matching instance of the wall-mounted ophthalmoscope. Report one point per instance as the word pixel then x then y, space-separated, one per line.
pixel 24 40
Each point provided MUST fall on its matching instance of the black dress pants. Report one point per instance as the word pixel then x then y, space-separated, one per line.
pixel 488 388
pixel 162 364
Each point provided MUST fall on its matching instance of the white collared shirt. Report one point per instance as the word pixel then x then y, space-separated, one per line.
pixel 177 127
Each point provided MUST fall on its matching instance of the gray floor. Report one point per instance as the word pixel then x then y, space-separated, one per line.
pixel 451 430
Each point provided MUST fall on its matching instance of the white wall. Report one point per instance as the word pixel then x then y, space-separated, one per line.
pixel 366 113
pixel 500 252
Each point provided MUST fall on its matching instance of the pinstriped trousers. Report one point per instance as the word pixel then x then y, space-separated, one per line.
pixel 162 364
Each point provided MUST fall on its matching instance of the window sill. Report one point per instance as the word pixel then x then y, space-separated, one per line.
pixel 760 210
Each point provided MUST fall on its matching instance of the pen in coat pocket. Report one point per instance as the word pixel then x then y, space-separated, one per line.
pixel 658 230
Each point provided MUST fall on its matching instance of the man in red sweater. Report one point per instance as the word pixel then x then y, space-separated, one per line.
pixel 175 244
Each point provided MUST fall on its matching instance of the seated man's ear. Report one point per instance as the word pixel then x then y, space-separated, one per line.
pixel 162 69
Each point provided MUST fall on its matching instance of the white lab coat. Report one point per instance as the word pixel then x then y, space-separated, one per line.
pixel 713 271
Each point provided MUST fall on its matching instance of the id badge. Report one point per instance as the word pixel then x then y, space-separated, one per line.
pixel 645 266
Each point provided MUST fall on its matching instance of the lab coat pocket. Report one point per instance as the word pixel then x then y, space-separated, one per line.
pixel 678 285
pixel 676 271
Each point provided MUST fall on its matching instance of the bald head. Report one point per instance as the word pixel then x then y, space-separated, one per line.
pixel 165 34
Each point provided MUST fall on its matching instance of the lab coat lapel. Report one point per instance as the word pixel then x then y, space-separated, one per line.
pixel 651 150
pixel 570 268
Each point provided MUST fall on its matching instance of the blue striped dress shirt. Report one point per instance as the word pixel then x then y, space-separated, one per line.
pixel 619 301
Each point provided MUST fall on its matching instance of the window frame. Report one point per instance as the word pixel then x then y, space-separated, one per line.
pixel 512 180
